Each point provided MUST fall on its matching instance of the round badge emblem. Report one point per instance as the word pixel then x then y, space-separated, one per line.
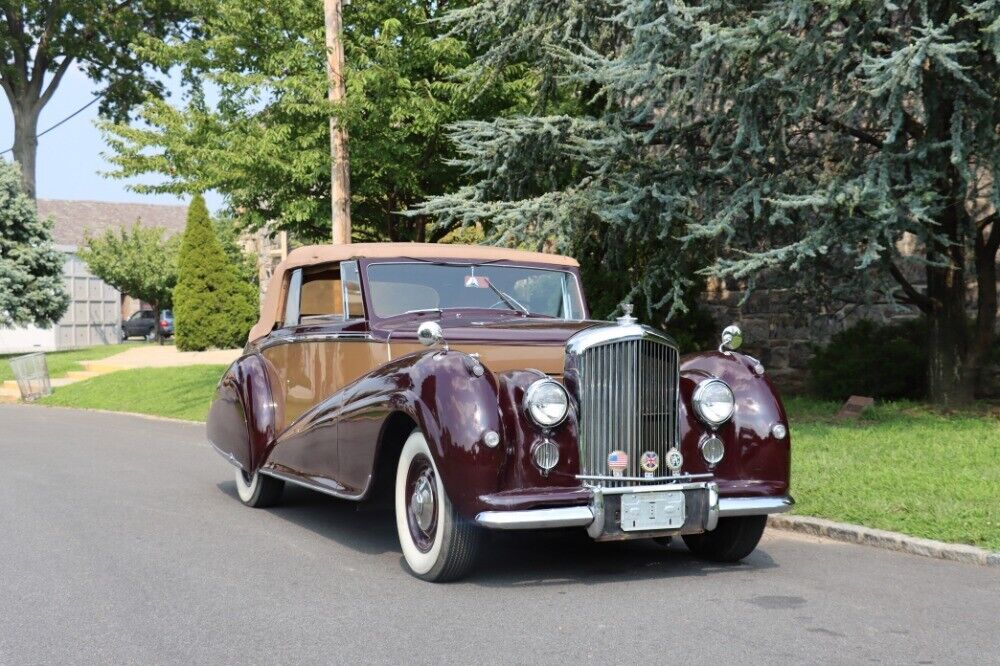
pixel 674 460
pixel 649 461
pixel 617 461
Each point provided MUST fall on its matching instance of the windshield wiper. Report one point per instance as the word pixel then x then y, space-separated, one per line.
pixel 510 301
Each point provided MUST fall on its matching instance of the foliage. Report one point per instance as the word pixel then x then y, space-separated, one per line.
pixel 180 393
pixel 733 140
pixel 138 261
pixel 264 144
pixel 213 307
pixel 41 41
pixel 875 471
pixel 887 361
pixel 31 269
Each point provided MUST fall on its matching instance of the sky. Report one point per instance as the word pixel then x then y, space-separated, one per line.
pixel 69 157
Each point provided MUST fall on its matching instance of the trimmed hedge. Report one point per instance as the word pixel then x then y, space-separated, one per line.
pixel 884 361
pixel 213 306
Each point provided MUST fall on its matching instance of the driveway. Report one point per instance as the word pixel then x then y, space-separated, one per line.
pixel 121 540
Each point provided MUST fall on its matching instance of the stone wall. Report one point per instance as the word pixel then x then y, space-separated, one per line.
pixel 782 326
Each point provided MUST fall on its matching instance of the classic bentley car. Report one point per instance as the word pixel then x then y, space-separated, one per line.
pixel 468 387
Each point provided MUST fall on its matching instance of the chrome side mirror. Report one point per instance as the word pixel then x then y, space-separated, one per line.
pixel 732 338
pixel 429 333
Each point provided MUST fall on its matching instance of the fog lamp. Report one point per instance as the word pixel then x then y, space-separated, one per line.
pixel 779 431
pixel 713 450
pixel 546 455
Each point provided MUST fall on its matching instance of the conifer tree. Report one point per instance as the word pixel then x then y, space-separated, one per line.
pixel 740 139
pixel 213 306
pixel 32 288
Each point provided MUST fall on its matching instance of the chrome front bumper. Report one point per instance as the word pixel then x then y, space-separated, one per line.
pixel 599 516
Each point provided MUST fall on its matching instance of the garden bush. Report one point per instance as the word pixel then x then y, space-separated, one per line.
pixel 213 306
pixel 885 361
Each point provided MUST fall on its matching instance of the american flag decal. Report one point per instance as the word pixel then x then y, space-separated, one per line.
pixel 617 461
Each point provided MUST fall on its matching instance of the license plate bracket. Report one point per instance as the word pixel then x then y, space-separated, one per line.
pixel 660 510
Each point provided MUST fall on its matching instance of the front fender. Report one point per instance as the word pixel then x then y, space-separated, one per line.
pixel 453 408
pixel 756 462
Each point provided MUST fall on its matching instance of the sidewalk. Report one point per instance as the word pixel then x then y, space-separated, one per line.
pixel 161 356
pixel 146 356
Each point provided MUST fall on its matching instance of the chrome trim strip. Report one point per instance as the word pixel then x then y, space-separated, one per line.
pixel 695 485
pixel 228 456
pixel 660 479
pixel 531 519
pixel 313 337
pixel 730 507
pixel 309 484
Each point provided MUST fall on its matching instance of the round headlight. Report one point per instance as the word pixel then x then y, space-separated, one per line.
pixel 714 402
pixel 546 402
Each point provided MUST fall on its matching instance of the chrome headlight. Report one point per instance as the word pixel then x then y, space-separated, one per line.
pixel 714 402
pixel 546 402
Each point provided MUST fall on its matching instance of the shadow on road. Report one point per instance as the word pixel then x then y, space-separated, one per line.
pixel 509 559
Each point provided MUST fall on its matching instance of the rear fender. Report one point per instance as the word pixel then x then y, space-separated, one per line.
pixel 244 415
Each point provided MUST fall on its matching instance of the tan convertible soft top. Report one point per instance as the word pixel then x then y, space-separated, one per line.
pixel 322 254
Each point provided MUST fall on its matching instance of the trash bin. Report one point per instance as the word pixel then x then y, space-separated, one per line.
pixel 32 375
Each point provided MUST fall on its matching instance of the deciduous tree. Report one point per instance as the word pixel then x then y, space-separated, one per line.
pixel 261 135
pixel 41 40
pixel 138 261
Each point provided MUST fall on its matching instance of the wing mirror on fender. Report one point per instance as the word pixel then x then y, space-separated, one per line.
pixel 732 338
pixel 429 334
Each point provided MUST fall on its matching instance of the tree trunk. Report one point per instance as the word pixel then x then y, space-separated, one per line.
pixel 26 144
pixel 951 378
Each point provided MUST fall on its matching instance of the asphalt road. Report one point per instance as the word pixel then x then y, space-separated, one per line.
pixel 122 540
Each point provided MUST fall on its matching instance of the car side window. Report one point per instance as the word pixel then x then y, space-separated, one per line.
pixel 321 293
pixel 291 317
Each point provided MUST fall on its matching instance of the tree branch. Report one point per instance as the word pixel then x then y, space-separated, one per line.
pixel 922 301
pixel 859 134
pixel 54 83
pixel 17 41
pixel 912 126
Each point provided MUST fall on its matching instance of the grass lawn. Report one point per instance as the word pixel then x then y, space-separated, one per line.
pixel 180 393
pixel 64 361
pixel 901 467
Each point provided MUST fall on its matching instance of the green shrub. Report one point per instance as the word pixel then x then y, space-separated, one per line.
pixel 888 362
pixel 213 306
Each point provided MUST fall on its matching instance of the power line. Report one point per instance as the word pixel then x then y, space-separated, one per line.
pixel 64 120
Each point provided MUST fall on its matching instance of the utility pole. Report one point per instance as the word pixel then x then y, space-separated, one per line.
pixel 340 174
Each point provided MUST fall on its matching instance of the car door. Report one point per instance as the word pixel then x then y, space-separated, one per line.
pixel 316 351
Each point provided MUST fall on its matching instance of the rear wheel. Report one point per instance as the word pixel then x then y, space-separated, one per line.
pixel 257 490
pixel 438 544
pixel 731 540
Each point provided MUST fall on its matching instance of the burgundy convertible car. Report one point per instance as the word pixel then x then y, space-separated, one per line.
pixel 469 385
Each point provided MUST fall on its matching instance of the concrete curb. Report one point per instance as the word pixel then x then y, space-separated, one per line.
pixel 867 536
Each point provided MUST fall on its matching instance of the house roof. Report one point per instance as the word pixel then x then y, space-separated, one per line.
pixel 72 218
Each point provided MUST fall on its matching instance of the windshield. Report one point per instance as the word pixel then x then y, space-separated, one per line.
pixel 397 288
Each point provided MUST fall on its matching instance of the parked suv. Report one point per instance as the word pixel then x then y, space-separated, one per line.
pixel 142 323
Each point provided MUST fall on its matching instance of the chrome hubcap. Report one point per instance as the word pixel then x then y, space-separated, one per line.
pixel 422 502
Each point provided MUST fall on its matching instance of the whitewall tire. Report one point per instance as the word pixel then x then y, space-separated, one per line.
pixel 258 490
pixel 438 545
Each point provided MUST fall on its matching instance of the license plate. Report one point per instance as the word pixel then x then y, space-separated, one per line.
pixel 652 511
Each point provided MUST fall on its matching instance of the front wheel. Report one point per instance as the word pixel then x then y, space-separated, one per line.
pixel 438 544
pixel 257 490
pixel 731 540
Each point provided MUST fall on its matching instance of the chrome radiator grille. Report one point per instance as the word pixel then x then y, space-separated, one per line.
pixel 627 392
